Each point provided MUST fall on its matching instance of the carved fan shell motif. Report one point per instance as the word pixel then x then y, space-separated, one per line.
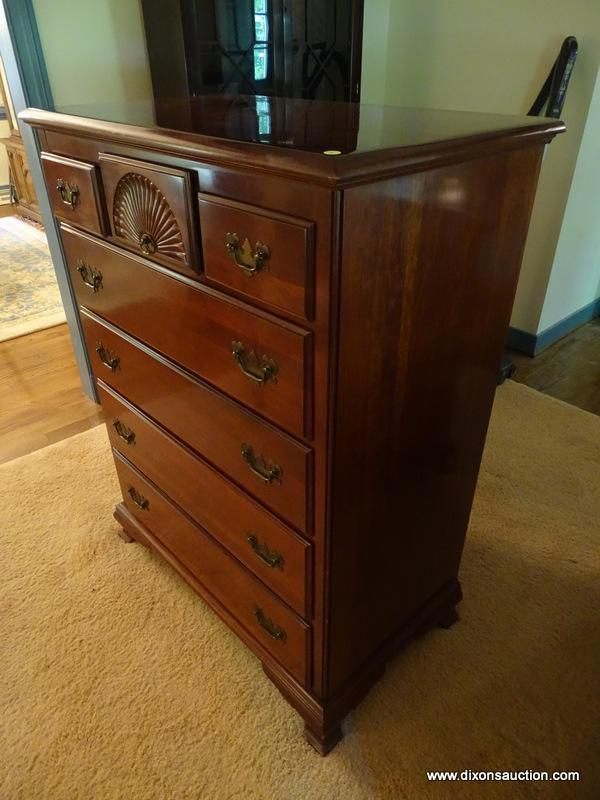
pixel 142 215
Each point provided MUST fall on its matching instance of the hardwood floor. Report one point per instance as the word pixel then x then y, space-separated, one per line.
pixel 7 210
pixel 568 370
pixel 41 400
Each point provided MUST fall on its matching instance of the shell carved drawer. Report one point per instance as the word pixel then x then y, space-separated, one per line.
pixel 149 209
pixel 296 338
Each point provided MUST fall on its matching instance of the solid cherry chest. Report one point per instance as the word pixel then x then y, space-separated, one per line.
pixel 296 337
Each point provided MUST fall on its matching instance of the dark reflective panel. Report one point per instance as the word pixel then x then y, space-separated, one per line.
pixel 312 125
pixel 284 122
pixel 288 48
pixel 229 47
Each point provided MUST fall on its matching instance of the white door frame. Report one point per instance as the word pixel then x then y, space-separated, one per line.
pixel 32 150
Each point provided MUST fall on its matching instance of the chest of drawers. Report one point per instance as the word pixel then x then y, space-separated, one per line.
pixel 296 353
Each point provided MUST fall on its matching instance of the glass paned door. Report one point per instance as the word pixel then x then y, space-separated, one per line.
pixel 292 48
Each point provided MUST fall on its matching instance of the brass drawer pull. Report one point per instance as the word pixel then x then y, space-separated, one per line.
pixel 138 498
pixel 274 631
pixel 110 360
pixel 123 432
pixel 269 473
pixel 69 192
pixel 249 259
pixel 90 276
pixel 271 557
pixel 259 370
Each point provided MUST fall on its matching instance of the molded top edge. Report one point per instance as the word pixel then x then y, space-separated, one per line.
pixel 330 144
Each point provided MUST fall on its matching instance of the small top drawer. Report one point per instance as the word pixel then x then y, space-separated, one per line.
pixel 149 211
pixel 260 254
pixel 74 192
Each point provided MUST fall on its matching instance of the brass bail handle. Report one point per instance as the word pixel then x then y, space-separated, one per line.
pixel 274 631
pixel 90 276
pixel 138 499
pixel 271 558
pixel 69 192
pixel 108 358
pixel 258 370
pixel 123 432
pixel 268 473
pixel 249 259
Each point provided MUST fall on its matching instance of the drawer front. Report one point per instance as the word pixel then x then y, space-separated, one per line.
pixel 256 361
pixel 279 557
pixel 269 620
pixel 74 190
pixel 149 209
pixel 278 470
pixel 261 254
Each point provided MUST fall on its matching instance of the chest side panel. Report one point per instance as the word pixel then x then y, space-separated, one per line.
pixel 429 269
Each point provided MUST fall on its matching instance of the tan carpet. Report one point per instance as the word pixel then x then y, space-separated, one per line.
pixel 117 682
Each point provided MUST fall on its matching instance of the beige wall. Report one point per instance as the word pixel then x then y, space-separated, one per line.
pixel 375 48
pixel 484 56
pixel 458 54
pixel 575 277
pixel 95 53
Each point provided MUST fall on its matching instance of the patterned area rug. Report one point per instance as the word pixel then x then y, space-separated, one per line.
pixel 29 296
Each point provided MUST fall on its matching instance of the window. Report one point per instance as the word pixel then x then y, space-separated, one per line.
pixel 261 36
pixel 263 113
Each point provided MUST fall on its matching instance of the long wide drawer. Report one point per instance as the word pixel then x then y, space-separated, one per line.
pixel 266 462
pixel 253 358
pixel 273 552
pixel 269 620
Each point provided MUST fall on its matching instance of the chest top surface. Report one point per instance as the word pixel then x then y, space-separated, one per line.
pixel 323 142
